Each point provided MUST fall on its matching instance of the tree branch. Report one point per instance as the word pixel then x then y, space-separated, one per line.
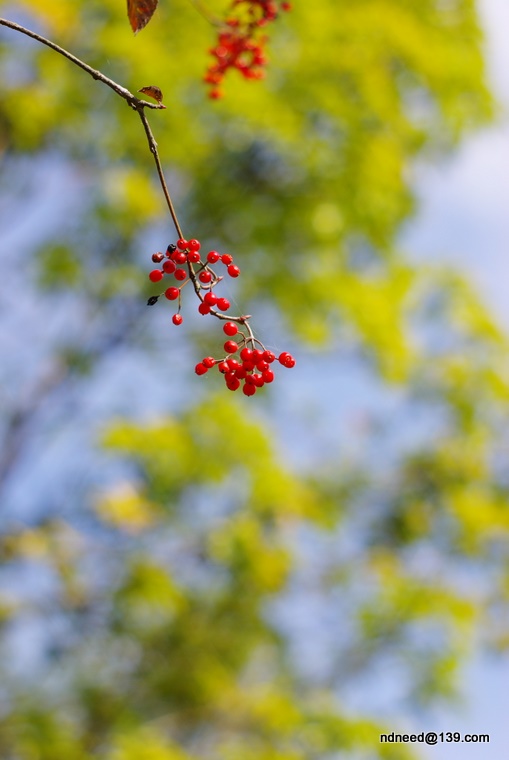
pixel 137 104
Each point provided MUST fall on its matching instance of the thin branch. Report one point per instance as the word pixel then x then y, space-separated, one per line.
pixel 138 105
pixel 135 103
pixel 153 149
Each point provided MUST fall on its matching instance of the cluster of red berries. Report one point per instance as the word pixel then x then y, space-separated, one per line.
pixel 254 368
pixel 239 46
pixel 184 263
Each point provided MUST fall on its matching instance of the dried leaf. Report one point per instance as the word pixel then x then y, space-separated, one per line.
pixel 153 92
pixel 140 12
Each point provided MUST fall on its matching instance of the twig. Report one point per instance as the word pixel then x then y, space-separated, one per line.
pixel 137 104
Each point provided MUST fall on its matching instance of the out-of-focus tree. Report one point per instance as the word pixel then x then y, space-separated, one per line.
pixel 157 613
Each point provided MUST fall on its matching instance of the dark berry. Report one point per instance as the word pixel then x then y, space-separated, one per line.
pixel 152 300
pixel 157 257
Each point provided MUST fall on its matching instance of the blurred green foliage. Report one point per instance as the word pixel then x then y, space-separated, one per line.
pixel 166 596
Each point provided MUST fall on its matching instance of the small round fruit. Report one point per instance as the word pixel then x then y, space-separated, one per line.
pixel 227 259
pixel 172 293
pixel 230 329
pixel 200 369
pixel 213 257
pixel 155 275
pixel 223 304
pixel 169 267
pixel 233 270
pixel 193 257
pixel 157 257
pixel 205 276
pixel 210 298
pixel 182 244
pixel 193 244
pixel 177 319
pixel 230 346
pixel 208 362
pixel 204 308
pixel 180 274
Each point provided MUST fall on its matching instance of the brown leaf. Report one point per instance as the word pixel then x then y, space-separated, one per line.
pixel 153 92
pixel 140 12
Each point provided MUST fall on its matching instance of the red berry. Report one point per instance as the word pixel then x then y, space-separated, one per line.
pixel 193 257
pixel 226 258
pixel 182 244
pixel 261 366
pixel 171 249
pixel 194 244
pixel 180 274
pixel 230 328
pixel 248 366
pixel 155 275
pixel 204 308
pixel 257 355
pixel 177 319
pixel 180 257
pixel 169 267
pixel 248 390
pixel 233 384
pixel 210 298
pixel 208 362
pixel 223 304
pixel 233 270
pixel 258 380
pixel 212 257
pixel 205 276
pixel 269 356
pixel 246 354
pixel 172 293
pixel 240 373
pixel 157 257
pixel 233 364
pixel 200 369
pixel 286 359
pixel 268 376
pixel 230 346
pixel 223 367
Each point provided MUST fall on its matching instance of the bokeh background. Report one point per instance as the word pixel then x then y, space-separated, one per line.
pixel 187 574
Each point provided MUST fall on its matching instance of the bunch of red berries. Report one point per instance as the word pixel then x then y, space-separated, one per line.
pixel 239 46
pixel 184 263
